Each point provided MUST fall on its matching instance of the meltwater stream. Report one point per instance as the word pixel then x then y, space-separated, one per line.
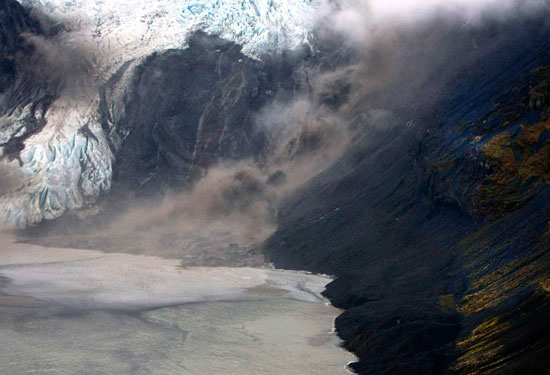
pixel 65 311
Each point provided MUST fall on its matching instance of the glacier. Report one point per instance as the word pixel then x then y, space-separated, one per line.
pixel 141 26
pixel 68 163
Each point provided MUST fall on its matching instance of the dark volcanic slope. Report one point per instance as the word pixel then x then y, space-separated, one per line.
pixel 19 81
pixel 438 233
pixel 189 109
pixel 13 21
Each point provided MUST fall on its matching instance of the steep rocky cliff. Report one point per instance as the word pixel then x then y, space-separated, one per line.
pixel 187 110
pixel 437 230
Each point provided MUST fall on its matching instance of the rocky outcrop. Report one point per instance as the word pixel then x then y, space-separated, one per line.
pixel 186 110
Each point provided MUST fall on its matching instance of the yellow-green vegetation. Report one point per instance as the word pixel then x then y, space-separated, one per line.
pixel 497 287
pixel 493 277
pixel 520 160
pixel 513 173
pixel 506 267
pixel 483 351
pixel 480 346
pixel 492 281
pixel 499 151
pixel 545 284
pixel 482 333
pixel 538 164
pixel 489 288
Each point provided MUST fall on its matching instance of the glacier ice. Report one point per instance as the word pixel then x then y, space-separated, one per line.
pixel 62 167
pixel 258 25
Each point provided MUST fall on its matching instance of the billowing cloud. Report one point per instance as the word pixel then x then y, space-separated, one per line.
pixel 360 19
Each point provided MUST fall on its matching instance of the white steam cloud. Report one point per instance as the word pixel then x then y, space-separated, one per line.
pixel 360 19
